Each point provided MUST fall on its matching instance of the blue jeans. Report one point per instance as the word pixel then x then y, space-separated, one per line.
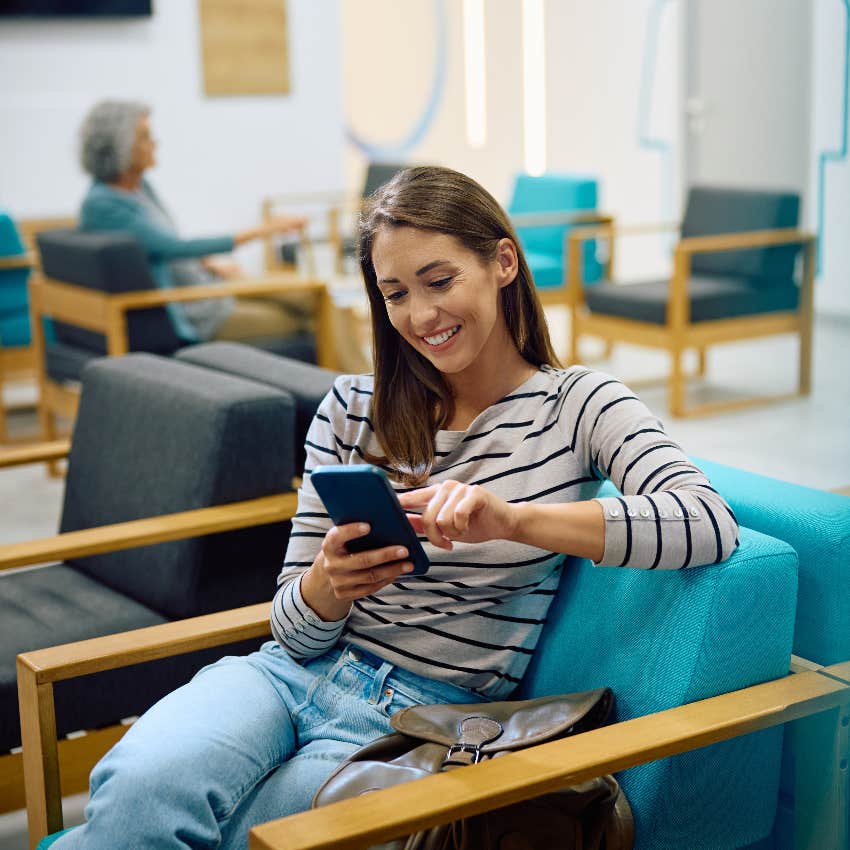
pixel 248 740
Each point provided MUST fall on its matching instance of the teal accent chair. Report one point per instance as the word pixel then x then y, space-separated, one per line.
pixel 544 209
pixel 816 524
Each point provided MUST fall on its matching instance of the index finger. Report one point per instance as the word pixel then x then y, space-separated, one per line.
pixel 418 498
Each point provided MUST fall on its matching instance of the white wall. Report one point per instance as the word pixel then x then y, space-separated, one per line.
pixel 217 155
pixel 594 53
pixel 828 34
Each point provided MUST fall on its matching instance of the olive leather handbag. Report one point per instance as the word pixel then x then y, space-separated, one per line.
pixel 594 815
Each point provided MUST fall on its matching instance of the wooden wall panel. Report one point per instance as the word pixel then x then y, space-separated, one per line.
pixel 244 46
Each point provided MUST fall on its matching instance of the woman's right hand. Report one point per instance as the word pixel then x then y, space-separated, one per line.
pixel 338 577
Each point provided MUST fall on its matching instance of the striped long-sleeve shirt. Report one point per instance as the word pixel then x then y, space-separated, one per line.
pixel 475 617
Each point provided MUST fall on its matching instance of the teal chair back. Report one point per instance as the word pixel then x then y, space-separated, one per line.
pixel 817 525
pixel 544 245
pixel 660 639
pixel 14 304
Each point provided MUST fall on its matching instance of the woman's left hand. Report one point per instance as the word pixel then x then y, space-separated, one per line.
pixel 464 512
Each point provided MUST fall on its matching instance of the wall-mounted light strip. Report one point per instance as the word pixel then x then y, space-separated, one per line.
pixel 534 86
pixel 474 68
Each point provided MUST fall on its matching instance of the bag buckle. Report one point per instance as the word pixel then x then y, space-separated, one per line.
pixel 473 750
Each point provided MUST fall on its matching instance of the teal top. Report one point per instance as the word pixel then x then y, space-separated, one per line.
pixel 173 260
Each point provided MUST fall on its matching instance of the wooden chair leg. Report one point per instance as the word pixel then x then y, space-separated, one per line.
pixel 676 384
pixel 701 362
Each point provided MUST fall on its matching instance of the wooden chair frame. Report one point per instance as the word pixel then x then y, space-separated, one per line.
pixel 78 754
pixel 336 204
pixel 107 314
pixel 679 333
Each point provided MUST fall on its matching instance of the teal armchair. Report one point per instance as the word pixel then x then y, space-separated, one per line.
pixel 544 209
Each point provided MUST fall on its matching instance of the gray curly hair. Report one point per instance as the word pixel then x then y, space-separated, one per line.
pixel 107 137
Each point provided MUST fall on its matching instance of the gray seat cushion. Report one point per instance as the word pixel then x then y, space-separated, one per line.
pixel 710 297
pixel 154 436
pixel 58 604
pixel 307 384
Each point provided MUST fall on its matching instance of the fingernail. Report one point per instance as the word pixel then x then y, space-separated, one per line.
pixel 407 568
pixel 363 528
pixel 401 552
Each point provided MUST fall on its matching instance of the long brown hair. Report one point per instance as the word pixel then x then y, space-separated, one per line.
pixel 412 399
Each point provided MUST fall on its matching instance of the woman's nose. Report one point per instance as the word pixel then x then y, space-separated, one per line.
pixel 423 313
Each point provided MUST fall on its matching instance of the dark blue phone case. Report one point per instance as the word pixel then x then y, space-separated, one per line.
pixel 362 493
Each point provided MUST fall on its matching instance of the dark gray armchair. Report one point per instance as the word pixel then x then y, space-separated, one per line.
pixel 163 451
pixel 98 291
pixel 733 278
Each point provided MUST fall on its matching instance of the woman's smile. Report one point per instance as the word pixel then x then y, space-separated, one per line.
pixel 441 340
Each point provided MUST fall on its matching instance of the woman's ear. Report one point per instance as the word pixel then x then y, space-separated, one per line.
pixel 507 261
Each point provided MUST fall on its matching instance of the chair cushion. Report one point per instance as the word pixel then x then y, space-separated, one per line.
pixel 108 262
pixel 307 384
pixel 53 605
pixel 713 210
pixel 711 298
pixel 683 631
pixel 155 435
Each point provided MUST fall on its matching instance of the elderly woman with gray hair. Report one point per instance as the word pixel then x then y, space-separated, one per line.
pixel 117 148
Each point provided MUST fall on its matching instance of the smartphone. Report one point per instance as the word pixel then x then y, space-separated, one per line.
pixel 362 493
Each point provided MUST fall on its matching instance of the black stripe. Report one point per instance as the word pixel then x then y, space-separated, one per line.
pixel 582 480
pixel 582 409
pixel 656 471
pixel 488 456
pixel 307 534
pixel 471 437
pixel 430 662
pixel 532 621
pixel 438 633
pixel 687 524
pixel 316 514
pixel 324 450
pixel 658 536
pixel 714 525
pixel 339 398
pixel 627 439
pixel 360 390
pixel 604 410
pixel 663 481
pixel 289 564
pixel 543 430
pixel 628 531
pixel 514 470
pixel 640 457
pixel 513 564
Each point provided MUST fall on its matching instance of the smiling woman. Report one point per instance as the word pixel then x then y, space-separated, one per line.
pixel 498 451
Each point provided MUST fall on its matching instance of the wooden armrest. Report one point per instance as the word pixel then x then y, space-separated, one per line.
pixel 544 219
pixel 391 813
pixel 269 285
pixel 138 645
pixel 144 532
pixel 583 234
pixel 748 239
pixel 19 261
pixel 35 453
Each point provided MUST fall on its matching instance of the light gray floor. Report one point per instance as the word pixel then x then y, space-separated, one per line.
pixel 804 440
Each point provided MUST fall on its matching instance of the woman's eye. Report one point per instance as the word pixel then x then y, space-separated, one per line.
pixel 441 283
pixel 395 296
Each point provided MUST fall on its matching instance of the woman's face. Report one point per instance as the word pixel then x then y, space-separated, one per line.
pixel 144 147
pixel 442 298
